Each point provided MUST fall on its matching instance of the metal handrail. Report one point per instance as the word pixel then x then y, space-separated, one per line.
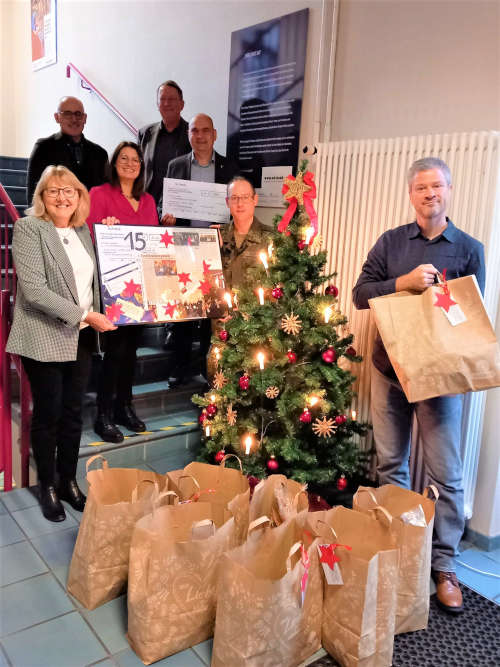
pixel 6 360
pixel 102 97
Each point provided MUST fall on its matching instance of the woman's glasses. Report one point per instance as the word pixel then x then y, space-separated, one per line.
pixel 54 192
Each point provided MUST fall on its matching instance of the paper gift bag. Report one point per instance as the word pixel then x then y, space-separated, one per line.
pixel 359 613
pixel 216 484
pixel 174 558
pixel 412 523
pixel 117 498
pixel 430 356
pixel 263 620
pixel 278 498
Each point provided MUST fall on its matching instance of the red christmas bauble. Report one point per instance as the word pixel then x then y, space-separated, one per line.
pixel 329 356
pixel 301 244
pixel 305 417
pixel 220 455
pixel 331 290
pixel 292 357
pixel 223 335
pixel 211 410
pixel 244 382
pixel 272 464
pixel 341 483
pixel 350 352
pixel 277 292
pixel 340 419
pixel 202 417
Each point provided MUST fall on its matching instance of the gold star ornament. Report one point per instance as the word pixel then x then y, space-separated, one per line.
pixel 272 392
pixel 296 188
pixel 219 380
pixel 324 427
pixel 291 324
pixel 231 415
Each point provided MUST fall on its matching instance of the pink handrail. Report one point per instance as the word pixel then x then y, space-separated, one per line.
pixel 103 99
pixel 6 359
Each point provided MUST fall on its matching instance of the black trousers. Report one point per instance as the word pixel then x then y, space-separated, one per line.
pixel 118 366
pixel 183 337
pixel 57 388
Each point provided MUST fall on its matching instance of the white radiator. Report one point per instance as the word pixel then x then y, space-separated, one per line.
pixel 362 192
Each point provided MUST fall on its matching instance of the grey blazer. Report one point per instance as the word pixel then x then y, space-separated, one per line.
pixel 46 313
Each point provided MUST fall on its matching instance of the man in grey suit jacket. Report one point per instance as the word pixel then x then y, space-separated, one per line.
pixel 163 141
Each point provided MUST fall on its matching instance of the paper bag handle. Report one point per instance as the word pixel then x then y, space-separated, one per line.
pixel 258 522
pixel 202 524
pixel 191 478
pixel 370 493
pixel 335 536
pixel 295 501
pixel 227 456
pixel 434 490
pixel 386 513
pixel 93 458
pixel 135 491
pixel 293 549
pixel 164 494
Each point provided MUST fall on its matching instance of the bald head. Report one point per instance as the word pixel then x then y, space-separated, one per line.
pixel 71 117
pixel 202 136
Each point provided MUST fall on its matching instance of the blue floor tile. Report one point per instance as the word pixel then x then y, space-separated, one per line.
pixel 110 623
pixel 9 531
pixel 33 601
pixel 494 555
pixel 19 499
pixel 483 584
pixel 19 561
pixel 61 642
pixel 56 550
pixel 183 659
pixel 204 650
pixel 34 523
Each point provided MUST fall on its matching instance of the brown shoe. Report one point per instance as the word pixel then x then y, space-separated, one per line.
pixel 448 593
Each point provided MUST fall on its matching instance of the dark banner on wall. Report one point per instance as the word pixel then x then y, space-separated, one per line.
pixel 266 84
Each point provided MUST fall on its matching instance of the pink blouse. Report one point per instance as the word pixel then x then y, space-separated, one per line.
pixel 107 200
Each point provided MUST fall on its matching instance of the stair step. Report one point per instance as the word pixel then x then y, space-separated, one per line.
pixel 12 177
pixel 17 194
pixel 18 163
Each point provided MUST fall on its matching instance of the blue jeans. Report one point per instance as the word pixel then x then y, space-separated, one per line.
pixel 439 422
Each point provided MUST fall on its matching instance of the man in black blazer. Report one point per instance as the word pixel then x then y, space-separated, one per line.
pixel 87 160
pixel 163 141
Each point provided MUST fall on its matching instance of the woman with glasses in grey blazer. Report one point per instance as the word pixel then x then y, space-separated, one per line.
pixel 56 315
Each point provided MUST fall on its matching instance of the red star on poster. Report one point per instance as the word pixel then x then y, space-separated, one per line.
pixel 206 268
pixel 204 286
pixel 131 288
pixel 184 278
pixel 328 555
pixel 169 309
pixel 114 312
pixel 167 239
pixel 444 301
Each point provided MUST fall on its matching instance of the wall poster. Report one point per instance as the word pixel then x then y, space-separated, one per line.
pixel 159 274
pixel 43 33
pixel 266 85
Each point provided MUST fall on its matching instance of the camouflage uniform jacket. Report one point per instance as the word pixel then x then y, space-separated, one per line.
pixel 236 261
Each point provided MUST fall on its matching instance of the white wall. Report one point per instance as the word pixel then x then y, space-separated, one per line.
pixel 126 49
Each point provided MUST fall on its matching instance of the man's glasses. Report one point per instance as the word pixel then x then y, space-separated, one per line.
pixel 127 160
pixel 69 114
pixel 68 192
pixel 235 198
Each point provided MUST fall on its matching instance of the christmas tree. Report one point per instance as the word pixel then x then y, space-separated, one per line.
pixel 282 389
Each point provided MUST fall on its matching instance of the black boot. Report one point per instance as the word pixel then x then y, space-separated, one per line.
pixel 69 491
pixel 106 429
pixel 52 508
pixel 125 416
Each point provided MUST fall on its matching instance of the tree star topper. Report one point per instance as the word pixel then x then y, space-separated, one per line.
pixel 296 188
pixel 291 324
pixel 324 427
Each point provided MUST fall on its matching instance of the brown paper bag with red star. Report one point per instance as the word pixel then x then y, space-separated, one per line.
pixel 440 341
pixel 278 498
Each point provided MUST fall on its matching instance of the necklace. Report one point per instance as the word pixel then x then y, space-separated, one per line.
pixel 128 196
pixel 65 237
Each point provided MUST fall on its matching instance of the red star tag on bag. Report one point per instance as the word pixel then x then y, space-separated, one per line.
pixel 444 300
pixel 330 563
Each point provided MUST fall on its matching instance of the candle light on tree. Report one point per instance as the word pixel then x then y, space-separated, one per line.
pixel 207 430
pixel 309 233
pixel 313 400
pixel 260 359
pixel 212 398
pixel 261 295
pixel 263 259
pixel 248 444
pixel 228 300
pixel 328 314
pixel 217 353
pixel 353 415
pixel 270 249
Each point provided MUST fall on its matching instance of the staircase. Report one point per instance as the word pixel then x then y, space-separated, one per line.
pixel 173 436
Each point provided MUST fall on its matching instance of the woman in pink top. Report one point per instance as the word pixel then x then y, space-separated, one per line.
pixel 124 202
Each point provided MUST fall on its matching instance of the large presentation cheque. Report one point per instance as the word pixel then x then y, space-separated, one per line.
pixel 159 274
pixel 194 200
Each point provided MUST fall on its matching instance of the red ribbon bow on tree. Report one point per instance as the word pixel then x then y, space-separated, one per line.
pixel 300 190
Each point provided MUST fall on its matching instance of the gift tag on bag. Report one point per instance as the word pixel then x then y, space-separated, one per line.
pixel 454 314
pixel 330 563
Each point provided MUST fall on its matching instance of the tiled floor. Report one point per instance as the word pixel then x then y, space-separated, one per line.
pixel 42 626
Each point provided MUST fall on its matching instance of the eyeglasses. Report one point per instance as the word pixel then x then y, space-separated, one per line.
pixel 127 160
pixel 68 192
pixel 244 198
pixel 68 114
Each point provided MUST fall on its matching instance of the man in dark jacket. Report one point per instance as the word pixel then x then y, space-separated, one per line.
pixel 88 161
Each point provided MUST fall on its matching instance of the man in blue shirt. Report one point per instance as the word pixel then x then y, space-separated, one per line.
pixel 408 258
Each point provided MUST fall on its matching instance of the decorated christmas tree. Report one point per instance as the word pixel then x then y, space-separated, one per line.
pixel 282 386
